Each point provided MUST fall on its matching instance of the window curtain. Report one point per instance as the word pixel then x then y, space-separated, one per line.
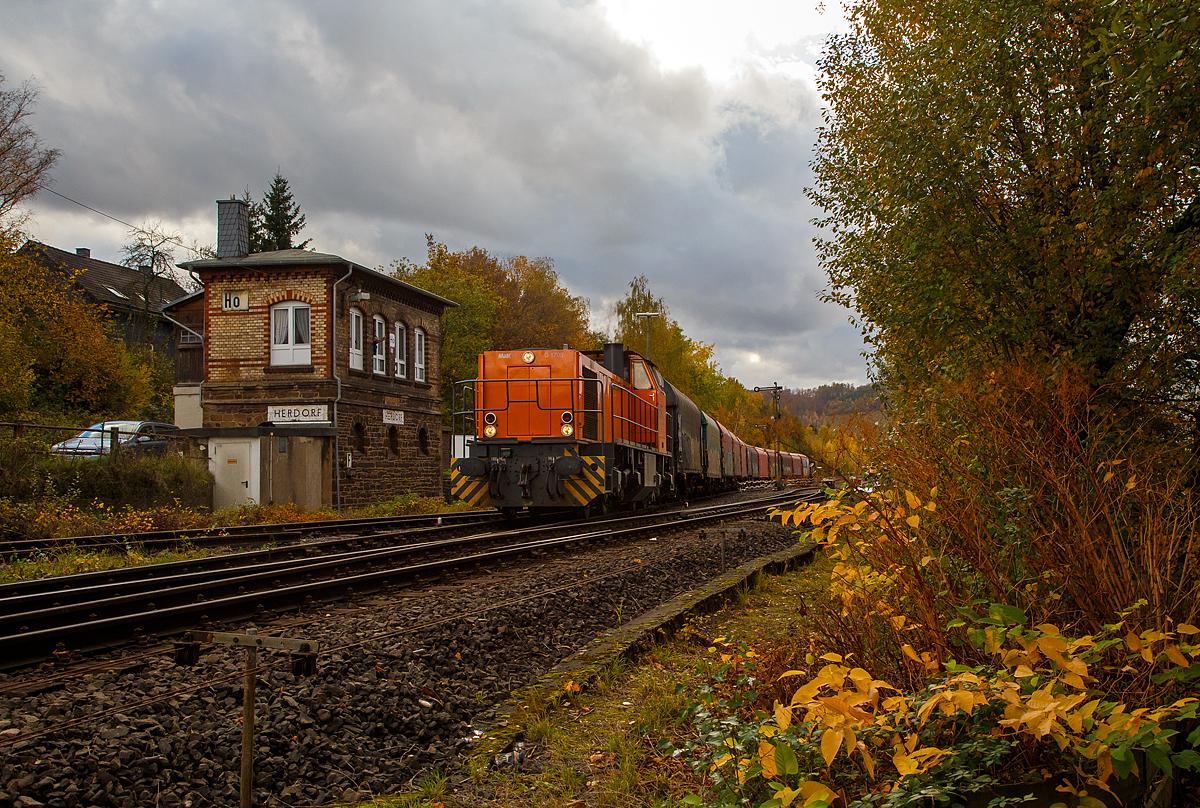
pixel 302 315
pixel 280 331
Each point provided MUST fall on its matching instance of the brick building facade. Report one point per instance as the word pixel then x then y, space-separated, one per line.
pixel 320 380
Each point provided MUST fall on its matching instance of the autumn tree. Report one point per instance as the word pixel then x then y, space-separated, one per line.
pixel 275 220
pixel 1011 197
pixel 536 310
pixel 686 363
pixel 25 162
pixel 466 329
pixel 1016 183
pixel 504 303
pixel 56 355
pixel 55 351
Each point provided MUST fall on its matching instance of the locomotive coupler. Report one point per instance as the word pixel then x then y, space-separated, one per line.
pixel 524 480
pixel 496 467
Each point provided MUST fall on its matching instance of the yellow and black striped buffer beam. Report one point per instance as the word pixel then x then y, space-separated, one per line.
pixel 471 490
pixel 589 483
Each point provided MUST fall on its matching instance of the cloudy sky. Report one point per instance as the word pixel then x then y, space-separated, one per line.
pixel 669 138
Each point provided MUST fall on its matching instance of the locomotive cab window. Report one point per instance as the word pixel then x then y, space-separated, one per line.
pixel 639 377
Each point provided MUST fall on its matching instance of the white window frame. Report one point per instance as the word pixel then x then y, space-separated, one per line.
pixel 289 351
pixel 418 355
pixel 379 345
pixel 356 339
pixel 401 350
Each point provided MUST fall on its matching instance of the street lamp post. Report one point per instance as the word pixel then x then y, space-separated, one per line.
pixel 645 317
pixel 775 391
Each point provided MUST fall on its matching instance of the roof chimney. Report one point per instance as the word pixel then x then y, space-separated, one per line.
pixel 233 228
pixel 83 251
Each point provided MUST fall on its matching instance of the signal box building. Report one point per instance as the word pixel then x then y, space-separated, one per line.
pixel 307 378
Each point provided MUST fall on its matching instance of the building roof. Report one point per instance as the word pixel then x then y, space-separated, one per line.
pixel 112 285
pixel 181 300
pixel 281 258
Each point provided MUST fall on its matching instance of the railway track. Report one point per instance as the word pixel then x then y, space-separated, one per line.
pixel 54 618
pixel 247 535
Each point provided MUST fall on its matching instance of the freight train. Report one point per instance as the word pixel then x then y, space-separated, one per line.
pixel 593 430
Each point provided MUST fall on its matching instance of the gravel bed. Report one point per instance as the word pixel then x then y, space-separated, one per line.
pixel 398 683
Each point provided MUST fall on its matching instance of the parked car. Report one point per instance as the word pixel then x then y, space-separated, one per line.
pixel 141 437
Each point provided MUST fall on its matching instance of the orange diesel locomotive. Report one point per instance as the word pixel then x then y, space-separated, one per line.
pixel 587 430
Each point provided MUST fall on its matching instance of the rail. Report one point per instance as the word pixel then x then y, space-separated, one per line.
pixel 170 599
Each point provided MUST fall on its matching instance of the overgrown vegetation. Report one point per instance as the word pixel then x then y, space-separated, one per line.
pixel 29 474
pixel 1012 208
pixel 57 357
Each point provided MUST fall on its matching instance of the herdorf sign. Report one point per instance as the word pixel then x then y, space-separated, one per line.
pixel 393 417
pixel 298 414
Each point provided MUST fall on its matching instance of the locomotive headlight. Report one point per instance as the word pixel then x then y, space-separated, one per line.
pixel 489 431
pixel 489 417
pixel 567 430
pixel 527 357
pixel 568 417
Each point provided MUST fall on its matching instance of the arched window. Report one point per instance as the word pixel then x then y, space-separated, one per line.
pixel 356 339
pixel 291 341
pixel 379 347
pixel 401 351
pixel 393 440
pixel 419 355
pixel 423 441
pixel 360 438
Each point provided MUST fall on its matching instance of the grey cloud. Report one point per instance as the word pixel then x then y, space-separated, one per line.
pixel 524 127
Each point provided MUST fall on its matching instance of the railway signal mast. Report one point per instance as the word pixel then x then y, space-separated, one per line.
pixel 775 391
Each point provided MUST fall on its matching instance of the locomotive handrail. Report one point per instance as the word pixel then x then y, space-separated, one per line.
pixel 467 415
pixel 635 423
pixel 633 431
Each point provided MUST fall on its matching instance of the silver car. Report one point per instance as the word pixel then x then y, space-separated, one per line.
pixel 142 437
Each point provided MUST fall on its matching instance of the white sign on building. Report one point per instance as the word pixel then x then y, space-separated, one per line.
pixel 298 413
pixel 235 301
pixel 393 417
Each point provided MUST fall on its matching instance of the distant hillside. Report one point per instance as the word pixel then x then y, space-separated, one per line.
pixel 829 401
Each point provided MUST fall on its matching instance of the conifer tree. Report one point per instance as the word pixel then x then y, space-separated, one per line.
pixel 276 219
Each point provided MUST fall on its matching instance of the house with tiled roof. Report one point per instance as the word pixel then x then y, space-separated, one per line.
pixel 306 378
pixel 134 298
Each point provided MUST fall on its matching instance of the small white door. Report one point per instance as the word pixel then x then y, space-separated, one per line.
pixel 234 465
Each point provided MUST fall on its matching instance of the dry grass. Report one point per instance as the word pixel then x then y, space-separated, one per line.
pixel 599 748
pixel 57 519
pixel 70 559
